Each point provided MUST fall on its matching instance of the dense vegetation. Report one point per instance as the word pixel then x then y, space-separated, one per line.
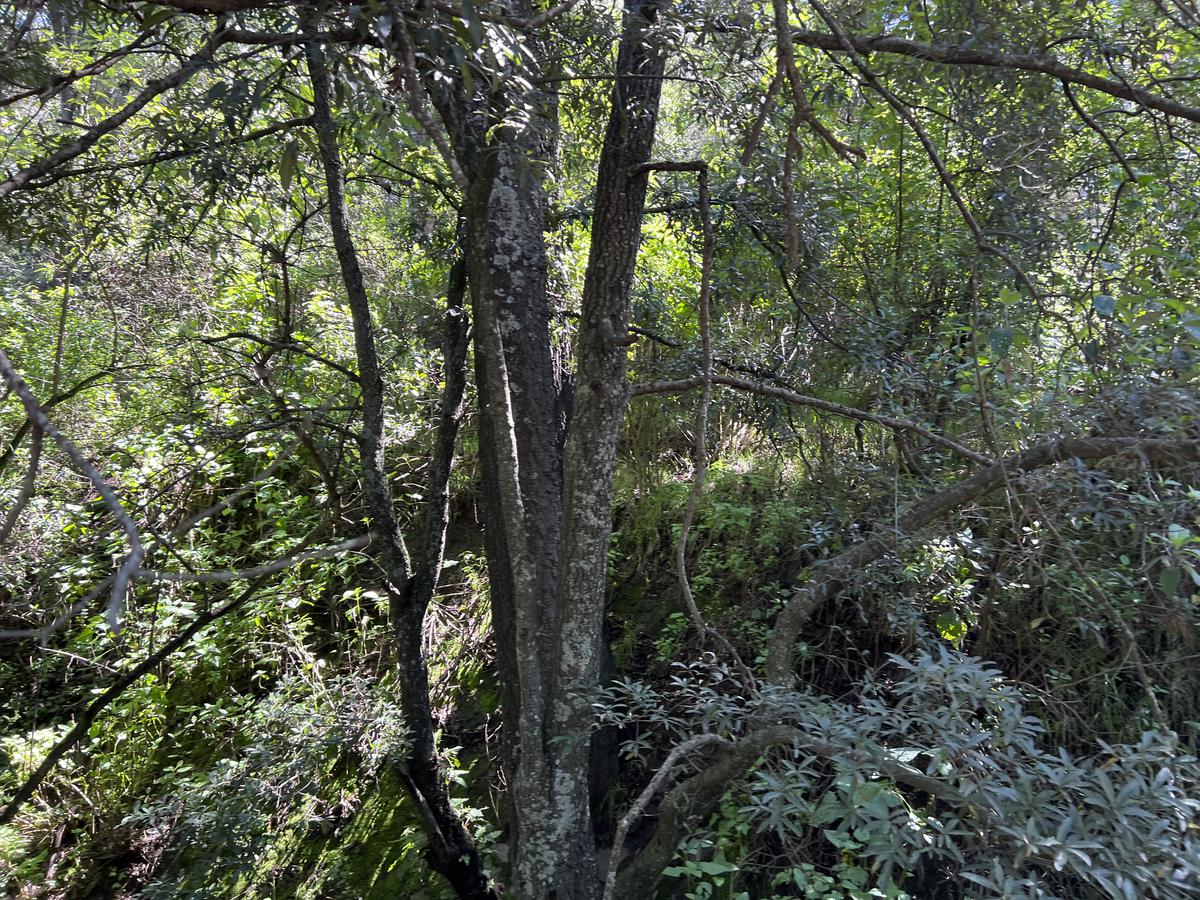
pixel 742 450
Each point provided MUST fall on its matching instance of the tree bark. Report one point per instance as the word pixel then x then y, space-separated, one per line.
pixel 601 395
pixel 452 851
pixel 548 621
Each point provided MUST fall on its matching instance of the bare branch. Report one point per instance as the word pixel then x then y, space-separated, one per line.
pixel 700 452
pixel 757 387
pixel 392 553
pixel 406 57
pixel 7 456
pixel 638 809
pixel 26 491
pixel 1027 62
pixel 37 415
pixel 549 15
pixel 786 62
pixel 1099 129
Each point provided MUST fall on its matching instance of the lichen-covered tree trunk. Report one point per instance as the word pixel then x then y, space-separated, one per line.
pixel 600 398
pixel 548 619
pixel 518 438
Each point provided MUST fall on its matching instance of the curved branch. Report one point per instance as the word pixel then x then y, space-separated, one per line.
pixel 25 493
pixel 835 572
pixel 638 809
pixel 757 387
pixel 1026 62
pixel 36 414
pixel 699 795
pixel 7 456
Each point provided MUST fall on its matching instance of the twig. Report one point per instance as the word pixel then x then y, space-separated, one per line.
pixel 356 543
pixel 638 809
pixel 700 451
pixel 803 109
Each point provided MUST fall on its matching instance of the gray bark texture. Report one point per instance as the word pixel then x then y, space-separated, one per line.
pixel 601 395
pixel 547 508
pixel 451 850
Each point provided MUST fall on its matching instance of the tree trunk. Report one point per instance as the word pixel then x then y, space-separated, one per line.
pixel 451 851
pixel 518 438
pixel 600 398
pixel 548 622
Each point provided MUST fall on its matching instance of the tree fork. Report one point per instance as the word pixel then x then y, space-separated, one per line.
pixel 452 850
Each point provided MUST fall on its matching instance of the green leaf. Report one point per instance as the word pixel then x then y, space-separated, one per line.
pixel 1009 297
pixel 1001 341
pixel 1169 580
pixel 951 626
pixel 716 867
pixel 287 164
pixel 1104 305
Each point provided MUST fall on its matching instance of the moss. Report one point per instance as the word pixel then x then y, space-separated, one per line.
pixel 375 853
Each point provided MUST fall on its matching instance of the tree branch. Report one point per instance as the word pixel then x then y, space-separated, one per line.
pixel 757 387
pixel 37 415
pixel 1027 62
pixel 7 456
pixel 697 796
pixel 834 573
pixel 179 530
pixel 23 179
pixel 178 153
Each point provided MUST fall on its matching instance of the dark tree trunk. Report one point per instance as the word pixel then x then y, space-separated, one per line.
pixel 451 851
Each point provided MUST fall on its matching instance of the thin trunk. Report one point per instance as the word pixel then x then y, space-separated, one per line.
pixel 451 851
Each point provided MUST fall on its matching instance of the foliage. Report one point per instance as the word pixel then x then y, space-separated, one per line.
pixel 1001 254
